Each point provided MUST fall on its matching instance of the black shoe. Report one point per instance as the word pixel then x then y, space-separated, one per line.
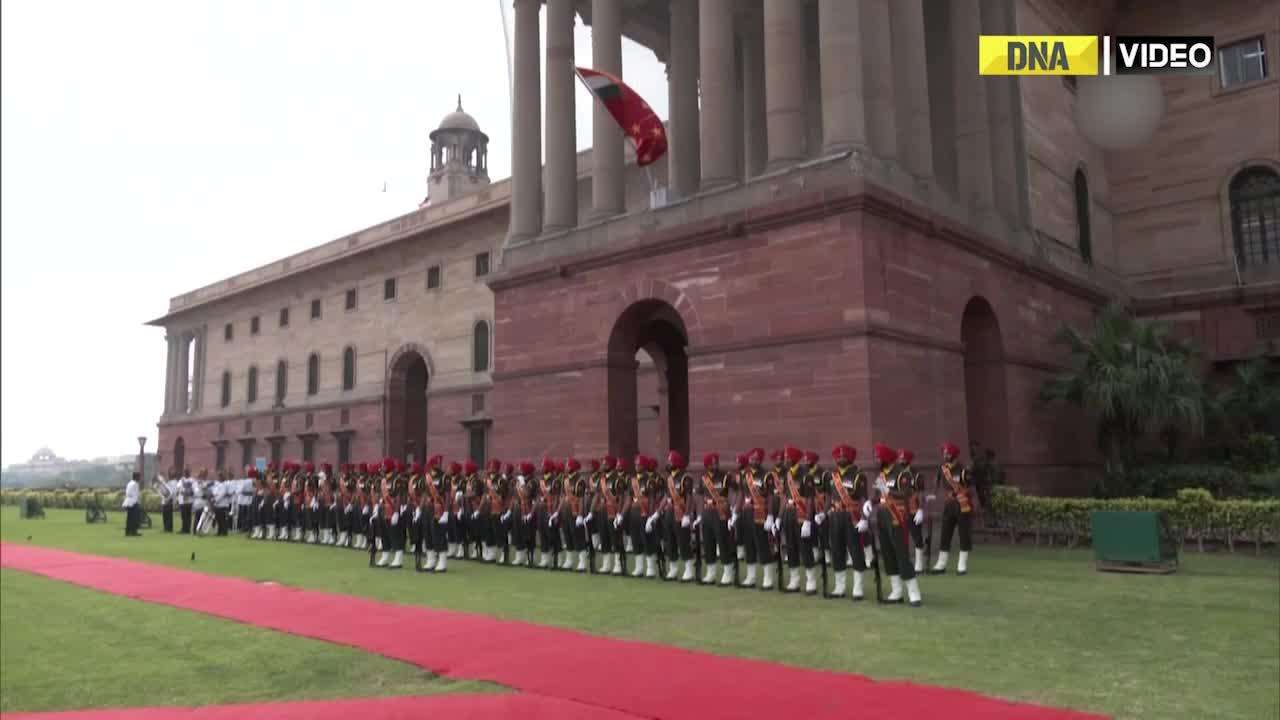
pixel 917 603
pixel 959 573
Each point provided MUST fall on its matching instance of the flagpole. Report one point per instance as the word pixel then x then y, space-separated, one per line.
pixel 511 83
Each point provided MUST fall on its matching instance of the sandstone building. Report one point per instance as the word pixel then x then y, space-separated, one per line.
pixel 861 240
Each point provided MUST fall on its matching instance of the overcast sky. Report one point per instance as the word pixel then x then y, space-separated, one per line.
pixel 150 148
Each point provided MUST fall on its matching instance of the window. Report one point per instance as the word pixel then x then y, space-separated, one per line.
pixel 308 420
pixel 309 448
pixel 1243 62
pixel 482 264
pixel 284 317
pixel 315 309
pixel 1267 327
pixel 433 277
pixel 277 421
pixel 220 458
pixel 1255 216
pixel 226 388
pixel 282 381
pixel 228 331
pixel 344 416
pixel 277 449
pixel 344 449
pixel 246 453
pixel 222 428
pixel 253 325
pixel 1082 217
pixel 477 404
pixel 389 289
pixel 351 299
pixel 313 374
pixel 251 392
pixel 349 369
pixel 248 426
pixel 475 444
pixel 480 347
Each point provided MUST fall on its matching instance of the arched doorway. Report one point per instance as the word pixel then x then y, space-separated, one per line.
pixel 407 407
pixel 651 328
pixel 984 377
pixel 179 455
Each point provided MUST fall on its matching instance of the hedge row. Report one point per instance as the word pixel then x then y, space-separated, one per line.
pixel 1193 514
pixel 78 499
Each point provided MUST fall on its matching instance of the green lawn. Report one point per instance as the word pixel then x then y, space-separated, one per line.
pixel 1030 624
pixel 66 648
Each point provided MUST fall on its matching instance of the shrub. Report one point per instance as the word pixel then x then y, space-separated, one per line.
pixel 1193 513
pixel 1259 452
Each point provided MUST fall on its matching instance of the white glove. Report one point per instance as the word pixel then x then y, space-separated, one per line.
pixel 348 508
pixel 505 516
pixel 555 518
pixel 417 514
pixel 528 518
pixel 819 518
pixel 588 518
pixel 685 521
pixel 617 521
pixel 866 509
pixel 697 521
pixel 920 516
pixel 806 529
pixel 769 524
pixel 648 526
pixel 862 525
pixel 457 497
pixel 733 519
pixel 579 521
pixel 475 514
pixel 395 518
pixel 444 519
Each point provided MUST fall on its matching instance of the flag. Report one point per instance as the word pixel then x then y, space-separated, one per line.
pixel 631 112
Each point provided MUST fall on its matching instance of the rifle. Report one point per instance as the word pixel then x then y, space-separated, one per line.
pixel 777 534
pixel 586 531
pixel 928 525
pixel 875 562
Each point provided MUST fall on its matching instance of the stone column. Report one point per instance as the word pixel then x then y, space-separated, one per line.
pixel 755 135
pixel 197 343
pixel 184 374
pixel 840 39
pixel 972 125
pixel 997 19
pixel 877 82
pixel 683 161
pixel 784 80
pixel 911 96
pixel 170 365
pixel 526 126
pixel 562 137
pixel 608 189
pixel 716 75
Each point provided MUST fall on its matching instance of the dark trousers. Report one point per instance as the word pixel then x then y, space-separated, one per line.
pixel 717 545
pixel 642 541
pixel 893 546
pixel 166 515
pixel 917 534
pixel 846 542
pixel 184 511
pixel 132 517
pixel 952 517
pixel 220 520
pixel 799 549
pixel 679 540
pixel 755 541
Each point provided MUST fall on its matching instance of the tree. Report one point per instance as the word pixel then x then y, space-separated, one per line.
pixel 1134 378
pixel 1252 399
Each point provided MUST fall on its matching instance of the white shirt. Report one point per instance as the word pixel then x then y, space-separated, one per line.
pixel 198 501
pixel 246 491
pixel 220 499
pixel 186 487
pixel 130 494
pixel 173 485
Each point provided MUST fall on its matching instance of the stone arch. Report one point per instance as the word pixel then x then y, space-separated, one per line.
pixel 655 326
pixel 409 373
pixel 985 376
pixel 663 291
pixel 1229 239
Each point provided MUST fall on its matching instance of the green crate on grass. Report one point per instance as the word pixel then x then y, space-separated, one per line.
pixel 1133 542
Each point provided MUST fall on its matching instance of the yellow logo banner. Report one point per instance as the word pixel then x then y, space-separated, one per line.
pixel 1038 55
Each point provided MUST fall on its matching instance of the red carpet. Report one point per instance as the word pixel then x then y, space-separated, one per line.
pixel 636 678
pixel 454 707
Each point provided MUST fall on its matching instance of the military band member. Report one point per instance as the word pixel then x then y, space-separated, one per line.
pixel 571 516
pixel 220 495
pixel 246 500
pixel 848 525
pixel 796 520
pixel 891 520
pixel 642 521
pixel 186 493
pixel 915 509
pixel 347 508
pixel 712 500
pixel 474 529
pixel 298 506
pixel 441 492
pixel 364 488
pixel 199 497
pixel 958 510
pixel 679 519
pixel 606 506
pixel 168 498
pixel 487 509
pixel 750 516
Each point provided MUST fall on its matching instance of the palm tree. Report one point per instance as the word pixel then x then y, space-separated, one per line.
pixel 1134 378
pixel 1253 397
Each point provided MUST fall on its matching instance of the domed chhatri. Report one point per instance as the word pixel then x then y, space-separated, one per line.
pixel 459 158
pixel 458 120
